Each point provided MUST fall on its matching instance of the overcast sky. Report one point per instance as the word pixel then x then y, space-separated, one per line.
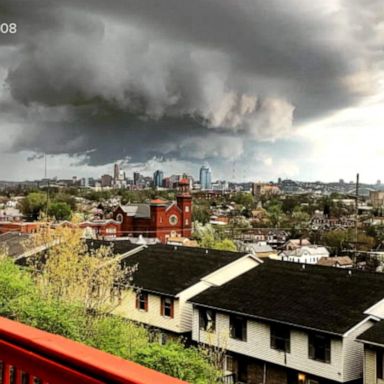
pixel 257 89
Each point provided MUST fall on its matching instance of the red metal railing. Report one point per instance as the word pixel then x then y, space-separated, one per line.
pixel 31 356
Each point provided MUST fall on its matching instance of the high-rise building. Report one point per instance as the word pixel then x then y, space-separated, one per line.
pixel 116 172
pixel 158 177
pixel 106 181
pixel 205 178
pixel 136 178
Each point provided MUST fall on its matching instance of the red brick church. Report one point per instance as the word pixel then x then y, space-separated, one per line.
pixel 159 218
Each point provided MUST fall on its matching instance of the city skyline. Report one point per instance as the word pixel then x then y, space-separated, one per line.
pixel 154 89
pixel 121 177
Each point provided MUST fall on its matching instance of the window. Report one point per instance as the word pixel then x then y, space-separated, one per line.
pixel 230 364
pixel 319 347
pixel 207 320
pixel 238 327
pixel 379 364
pixel 280 338
pixel 142 301
pixel 120 218
pixel 186 222
pixel 187 208
pixel 167 307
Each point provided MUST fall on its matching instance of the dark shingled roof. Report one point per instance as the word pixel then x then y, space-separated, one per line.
pixel 374 335
pixel 168 269
pixel 118 246
pixel 321 298
pixel 13 243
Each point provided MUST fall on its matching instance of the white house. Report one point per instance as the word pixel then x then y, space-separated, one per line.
pixel 310 254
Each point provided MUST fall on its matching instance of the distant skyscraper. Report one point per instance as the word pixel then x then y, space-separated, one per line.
pixel 106 181
pixel 205 178
pixel 136 178
pixel 158 177
pixel 116 172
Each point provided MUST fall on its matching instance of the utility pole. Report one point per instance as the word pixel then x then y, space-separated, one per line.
pixel 46 178
pixel 356 213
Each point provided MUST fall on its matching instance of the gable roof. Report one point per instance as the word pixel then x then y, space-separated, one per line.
pixel 373 335
pixel 312 250
pixel 137 210
pixel 167 269
pixel 336 260
pixel 331 300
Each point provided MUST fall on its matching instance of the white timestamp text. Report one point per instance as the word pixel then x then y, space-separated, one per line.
pixel 8 28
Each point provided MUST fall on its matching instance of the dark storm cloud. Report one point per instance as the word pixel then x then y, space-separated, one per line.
pixel 180 78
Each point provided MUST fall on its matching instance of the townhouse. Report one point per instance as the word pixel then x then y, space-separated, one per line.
pixel 284 322
pixel 165 277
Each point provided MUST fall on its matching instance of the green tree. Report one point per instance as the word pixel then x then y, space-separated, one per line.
pixel 24 299
pixel 60 211
pixel 33 204
pixel 225 245
pixel 275 214
pixel 244 199
pixel 201 213
pixel 65 198
pixel 336 241
pixel 175 360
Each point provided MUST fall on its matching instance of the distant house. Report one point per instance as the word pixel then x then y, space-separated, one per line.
pixel 276 238
pixel 253 236
pixel 10 214
pixel 290 323
pixel 337 261
pixel 100 229
pixel 182 241
pixel 310 254
pixel 260 249
pixel 320 221
pixel 293 244
pixel 20 227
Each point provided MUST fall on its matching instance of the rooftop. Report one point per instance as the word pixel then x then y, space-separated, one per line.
pixel 137 210
pixel 168 269
pixel 374 335
pixel 331 300
pixel 13 243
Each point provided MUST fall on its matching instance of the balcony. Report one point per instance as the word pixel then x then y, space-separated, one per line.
pixel 31 356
